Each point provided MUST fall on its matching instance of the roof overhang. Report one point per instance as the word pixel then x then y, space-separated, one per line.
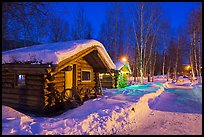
pixel 92 56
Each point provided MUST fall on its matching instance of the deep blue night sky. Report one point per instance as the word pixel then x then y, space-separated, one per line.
pixel 176 12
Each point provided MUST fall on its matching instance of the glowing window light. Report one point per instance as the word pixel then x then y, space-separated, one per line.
pixel 21 80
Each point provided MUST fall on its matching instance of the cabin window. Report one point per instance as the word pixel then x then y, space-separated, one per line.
pixel 86 75
pixel 101 76
pixel 20 80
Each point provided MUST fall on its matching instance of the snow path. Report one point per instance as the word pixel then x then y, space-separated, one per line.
pixel 168 123
pixel 170 116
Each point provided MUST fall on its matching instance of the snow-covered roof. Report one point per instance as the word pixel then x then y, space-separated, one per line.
pixel 120 64
pixel 54 52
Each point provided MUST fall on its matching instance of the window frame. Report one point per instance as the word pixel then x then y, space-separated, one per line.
pixel 82 75
pixel 17 81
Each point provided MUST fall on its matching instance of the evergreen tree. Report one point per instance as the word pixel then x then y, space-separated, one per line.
pixel 122 81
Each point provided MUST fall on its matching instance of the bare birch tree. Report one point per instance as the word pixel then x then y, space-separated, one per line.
pixel 146 26
pixel 195 32
pixel 163 66
pixel 176 62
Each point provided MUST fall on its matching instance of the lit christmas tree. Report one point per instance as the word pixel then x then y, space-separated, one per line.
pixel 122 81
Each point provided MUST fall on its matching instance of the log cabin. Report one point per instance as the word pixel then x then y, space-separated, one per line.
pixel 49 77
pixel 123 68
pixel 109 80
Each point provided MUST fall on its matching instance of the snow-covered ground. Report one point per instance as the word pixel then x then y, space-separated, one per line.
pixel 176 111
pixel 136 109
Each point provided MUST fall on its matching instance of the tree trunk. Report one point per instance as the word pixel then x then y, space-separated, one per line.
pixel 163 62
pixel 141 48
pixel 154 64
pixel 192 68
pixel 168 69
pixel 194 50
pixel 176 64
pixel 150 67
pixel 199 59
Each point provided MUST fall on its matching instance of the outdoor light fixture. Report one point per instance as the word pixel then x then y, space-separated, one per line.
pixel 124 59
pixel 188 67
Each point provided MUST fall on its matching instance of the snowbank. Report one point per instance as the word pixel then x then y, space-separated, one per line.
pixel 104 115
pixel 54 52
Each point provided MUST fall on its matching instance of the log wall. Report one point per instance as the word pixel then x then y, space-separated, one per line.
pixel 28 97
pixel 83 65
pixel 107 81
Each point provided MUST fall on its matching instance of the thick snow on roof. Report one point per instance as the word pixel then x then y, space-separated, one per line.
pixel 54 52
pixel 119 64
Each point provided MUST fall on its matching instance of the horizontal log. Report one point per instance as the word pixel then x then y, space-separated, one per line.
pixel 11 69
pixel 62 84
pixel 7 73
pixel 8 76
pixel 59 79
pixel 22 102
pixel 29 72
pixel 38 87
pixel 108 77
pixel 31 92
pixel 106 80
pixel 105 84
pixel 34 77
pixel 56 80
pixel 88 86
pixel 86 83
pixel 86 67
pixel 7 85
pixel 34 83
pixel 8 80
pixel 82 90
pixel 23 97
pixel 59 89
pixel 59 75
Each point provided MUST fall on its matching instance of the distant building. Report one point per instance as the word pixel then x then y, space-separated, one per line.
pixel 186 70
pixel 123 67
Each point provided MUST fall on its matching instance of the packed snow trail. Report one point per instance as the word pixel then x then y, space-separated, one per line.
pixel 171 115
pixel 168 123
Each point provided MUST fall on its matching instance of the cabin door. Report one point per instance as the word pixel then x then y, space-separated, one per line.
pixel 68 83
